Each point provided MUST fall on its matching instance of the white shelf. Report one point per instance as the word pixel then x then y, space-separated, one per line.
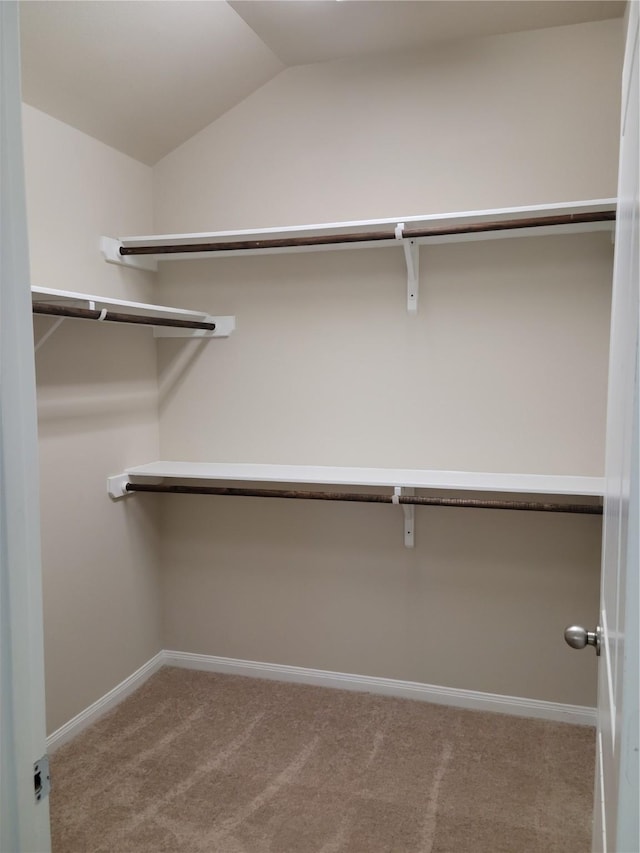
pixel 224 325
pixel 367 226
pixel 390 477
pixel 398 231
pixel 403 481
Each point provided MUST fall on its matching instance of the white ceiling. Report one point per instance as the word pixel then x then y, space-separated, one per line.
pixel 320 30
pixel 140 76
pixel 146 75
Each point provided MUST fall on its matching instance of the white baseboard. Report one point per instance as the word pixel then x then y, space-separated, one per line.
pixel 91 714
pixel 470 699
pixel 456 698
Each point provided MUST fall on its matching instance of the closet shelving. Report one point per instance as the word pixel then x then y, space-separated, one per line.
pixel 542 484
pixel 506 491
pixel 165 321
pixel 409 233
pixel 187 478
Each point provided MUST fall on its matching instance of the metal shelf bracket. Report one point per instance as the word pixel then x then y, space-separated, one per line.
pixel 409 513
pixel 412 259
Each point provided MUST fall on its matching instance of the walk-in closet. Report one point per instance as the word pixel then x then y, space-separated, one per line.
pixel 321 299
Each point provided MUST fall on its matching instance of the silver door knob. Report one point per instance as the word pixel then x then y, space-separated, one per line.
pixel 578 637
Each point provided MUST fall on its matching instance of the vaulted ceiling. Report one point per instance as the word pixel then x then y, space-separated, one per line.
pixel 145 75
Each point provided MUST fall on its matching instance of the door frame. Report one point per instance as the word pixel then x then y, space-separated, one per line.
pixel 24 819
pixel 615 826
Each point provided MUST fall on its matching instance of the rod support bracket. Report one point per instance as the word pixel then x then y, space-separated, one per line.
pixel 408 512
pixel 117 486
pixel 412 260
pixel 110 249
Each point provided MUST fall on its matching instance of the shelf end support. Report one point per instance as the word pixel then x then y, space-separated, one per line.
pixel 110 249
pixel 117 486
pixel 224 327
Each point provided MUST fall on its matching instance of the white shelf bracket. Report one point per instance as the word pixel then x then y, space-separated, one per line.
pixel 117 486
pixel 49 332
pixel 409 515
pixel 110 249
pixel 412 259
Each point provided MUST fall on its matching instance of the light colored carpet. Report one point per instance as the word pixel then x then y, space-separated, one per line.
pixel 195 762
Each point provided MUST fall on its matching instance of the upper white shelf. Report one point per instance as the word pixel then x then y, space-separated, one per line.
pixel 575 217
pixel 391 477
pixel 119 307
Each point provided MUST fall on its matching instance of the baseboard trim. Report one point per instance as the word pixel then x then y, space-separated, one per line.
pixel 581 715
pixel 458 698
pixel 100 707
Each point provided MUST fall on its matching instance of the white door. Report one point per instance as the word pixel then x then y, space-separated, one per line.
pixel 24 819
pixel 616 796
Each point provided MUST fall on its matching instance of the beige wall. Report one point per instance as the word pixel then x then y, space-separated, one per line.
pixel 97 409
pixel 518 119
pixel 480 603
pixel 504 368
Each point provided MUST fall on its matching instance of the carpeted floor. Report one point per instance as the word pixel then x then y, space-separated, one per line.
pixel 195 762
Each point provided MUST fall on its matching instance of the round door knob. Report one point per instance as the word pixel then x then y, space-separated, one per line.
pixel 578 637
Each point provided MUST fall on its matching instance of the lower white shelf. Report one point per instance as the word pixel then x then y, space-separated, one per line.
pixel 543 484
pixel 179 477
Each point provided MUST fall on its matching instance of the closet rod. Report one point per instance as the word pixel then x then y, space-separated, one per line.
pixel 117 317
pixel 407 234
pixel 415 500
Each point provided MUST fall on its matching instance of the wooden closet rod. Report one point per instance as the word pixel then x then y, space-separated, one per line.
pixel 407 234
pixel 415 500
pixel 117 317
